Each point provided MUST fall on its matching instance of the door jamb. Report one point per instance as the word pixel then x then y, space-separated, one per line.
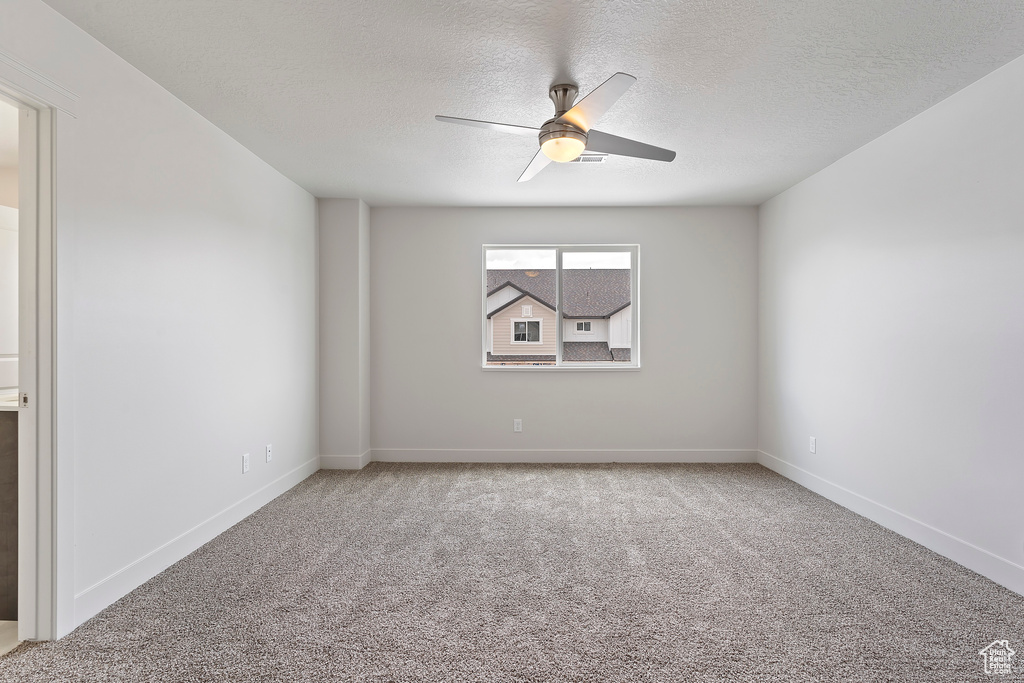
pixel 36 365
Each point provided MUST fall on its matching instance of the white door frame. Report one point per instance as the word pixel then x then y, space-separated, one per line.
pixel 36 376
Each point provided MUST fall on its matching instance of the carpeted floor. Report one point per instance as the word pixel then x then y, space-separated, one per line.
pixel 542 573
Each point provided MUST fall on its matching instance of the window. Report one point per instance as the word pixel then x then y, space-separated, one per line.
pixel 563 306
pixel 527 331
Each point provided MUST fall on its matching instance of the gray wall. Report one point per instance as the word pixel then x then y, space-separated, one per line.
pixel 694 397
pixel 186 298
pixel 344 309
pixel 892 328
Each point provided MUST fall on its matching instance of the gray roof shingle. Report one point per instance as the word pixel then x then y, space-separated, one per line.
pixel 586 351
pixel 592 352
pixel 594 293
pixel 587 293
pixel 539 283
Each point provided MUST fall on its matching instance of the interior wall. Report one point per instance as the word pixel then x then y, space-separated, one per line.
pixel 892 323
pixel 9 183
pixel 9 132
pixel 8 155
pixel 344 248
pixel 186 317
pixel 8 300
pixel 693 399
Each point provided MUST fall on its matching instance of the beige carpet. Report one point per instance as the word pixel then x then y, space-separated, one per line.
pixel 546 573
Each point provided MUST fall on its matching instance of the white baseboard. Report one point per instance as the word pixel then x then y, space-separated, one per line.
pixel 565 455
pixel 105 592
pixel 999 569
pixel 345 462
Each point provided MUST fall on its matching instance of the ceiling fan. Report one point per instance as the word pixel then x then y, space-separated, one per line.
pixel 569 134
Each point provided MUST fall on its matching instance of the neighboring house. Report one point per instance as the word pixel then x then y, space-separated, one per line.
pixel 596 316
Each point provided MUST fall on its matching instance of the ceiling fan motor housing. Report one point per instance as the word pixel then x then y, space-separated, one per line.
pixel 551 130
pixel 563 96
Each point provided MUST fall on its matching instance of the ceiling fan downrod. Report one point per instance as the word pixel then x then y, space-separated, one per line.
pixel 564 96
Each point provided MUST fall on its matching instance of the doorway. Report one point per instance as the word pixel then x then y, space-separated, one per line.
pixel 8 376
pixel 26 371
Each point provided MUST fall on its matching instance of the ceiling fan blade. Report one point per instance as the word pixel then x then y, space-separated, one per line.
pixel 588 110
pixel 501 127
pixel 613 144
pixel 540 160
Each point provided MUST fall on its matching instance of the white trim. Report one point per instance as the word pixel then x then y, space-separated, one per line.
pixel 46 388
pixel 559 313
pixel 576 366
pixel 106 591
pixel 33 622
pixel 38 570
pixel 540 330
pixel 559 249
pixel 999 569
pixel 45 486
pixel 566 455
pixel 21 77
pixel 345 462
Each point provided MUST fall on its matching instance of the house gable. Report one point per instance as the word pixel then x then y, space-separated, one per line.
pixel 519 299
pixel 501 328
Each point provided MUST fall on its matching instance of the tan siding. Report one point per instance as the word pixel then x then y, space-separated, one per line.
pixel 502 341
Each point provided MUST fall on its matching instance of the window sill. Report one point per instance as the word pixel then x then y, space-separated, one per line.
pixel 560 368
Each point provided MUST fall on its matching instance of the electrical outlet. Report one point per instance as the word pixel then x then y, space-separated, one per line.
pixel 270 455
pixel 517 425
pixel 814 445
pixel 245 463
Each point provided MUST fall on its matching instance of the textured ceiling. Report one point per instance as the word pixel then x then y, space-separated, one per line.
pixel 754 95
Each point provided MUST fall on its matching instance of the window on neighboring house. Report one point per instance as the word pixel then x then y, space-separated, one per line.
pixel 570 306
pixel 526 331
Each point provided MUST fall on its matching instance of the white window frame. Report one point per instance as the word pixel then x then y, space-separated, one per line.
pixel 560 249
pixel 584 331
pixel 540 330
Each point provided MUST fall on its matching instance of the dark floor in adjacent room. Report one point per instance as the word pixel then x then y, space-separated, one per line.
pixel 409 572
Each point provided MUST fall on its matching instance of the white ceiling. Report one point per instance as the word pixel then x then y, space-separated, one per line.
pixel 754 95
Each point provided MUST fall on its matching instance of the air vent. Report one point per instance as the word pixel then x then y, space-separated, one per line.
pixel 589 159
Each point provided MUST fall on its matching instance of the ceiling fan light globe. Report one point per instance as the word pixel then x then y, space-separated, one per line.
pixel 563 149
